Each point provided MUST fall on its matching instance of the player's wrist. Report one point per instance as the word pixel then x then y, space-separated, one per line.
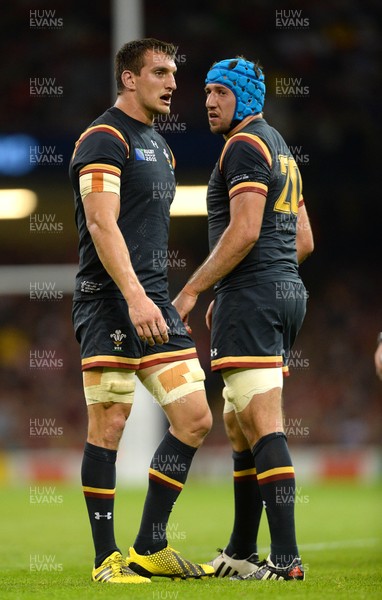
pixel 188 289
pixel 134 293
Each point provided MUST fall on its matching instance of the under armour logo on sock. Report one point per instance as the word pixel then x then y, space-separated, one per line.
pixel 98 516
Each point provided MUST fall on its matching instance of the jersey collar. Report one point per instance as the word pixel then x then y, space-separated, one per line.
pixel 243 124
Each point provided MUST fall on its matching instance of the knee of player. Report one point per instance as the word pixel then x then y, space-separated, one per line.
pixel 233 430
pixel 106 427
pixel 205 423
pixel 200 425
pixel 114 426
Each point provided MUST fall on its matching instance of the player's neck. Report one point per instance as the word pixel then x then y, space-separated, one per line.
pixel 134 110
pixel 242 124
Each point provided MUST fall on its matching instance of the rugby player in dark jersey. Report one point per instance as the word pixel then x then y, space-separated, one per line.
pixel 123 317
pixel 258 232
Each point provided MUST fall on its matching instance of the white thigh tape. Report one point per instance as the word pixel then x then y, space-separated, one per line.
pixel 175 380
pixel 242 384
pixel 110 385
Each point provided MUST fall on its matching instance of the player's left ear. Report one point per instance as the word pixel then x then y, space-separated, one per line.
pixel 128 80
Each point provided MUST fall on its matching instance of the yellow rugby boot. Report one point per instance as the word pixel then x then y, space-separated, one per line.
pixel 167 563
pixel 114 569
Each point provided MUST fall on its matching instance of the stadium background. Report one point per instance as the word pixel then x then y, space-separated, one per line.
pixel 322 76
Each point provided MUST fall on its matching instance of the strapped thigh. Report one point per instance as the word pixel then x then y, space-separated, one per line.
pixel 242 384
pixel 175 380
pixel 109 385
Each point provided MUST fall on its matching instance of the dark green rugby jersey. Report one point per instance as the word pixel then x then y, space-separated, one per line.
pixel 257 159
pixel 116 147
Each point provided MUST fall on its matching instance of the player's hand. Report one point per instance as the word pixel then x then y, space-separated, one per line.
pixel 148 321
pixel 184 303
pixel 209 315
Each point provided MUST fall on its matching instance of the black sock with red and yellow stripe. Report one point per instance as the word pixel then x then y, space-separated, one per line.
pixel 248 506
pixel 167 476
pixel 98 484
pixel 275 474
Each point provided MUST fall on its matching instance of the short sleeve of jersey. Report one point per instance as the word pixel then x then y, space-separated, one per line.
pixel 246 164
pixel 99 157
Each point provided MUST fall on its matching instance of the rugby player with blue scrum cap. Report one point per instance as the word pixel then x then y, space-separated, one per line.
pixel 259 233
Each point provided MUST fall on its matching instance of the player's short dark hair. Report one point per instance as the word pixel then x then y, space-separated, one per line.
pixel 131 57
pixel 257 67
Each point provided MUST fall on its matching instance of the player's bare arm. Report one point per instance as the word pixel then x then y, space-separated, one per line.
pixel 304 237
pixel 378 359
pixel 209 314
pixel 101 211
pixel 242 233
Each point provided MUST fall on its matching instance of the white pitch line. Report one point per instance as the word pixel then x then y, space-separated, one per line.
pixel 335 545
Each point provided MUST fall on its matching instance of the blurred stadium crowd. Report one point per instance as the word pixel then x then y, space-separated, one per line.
pixel 333 394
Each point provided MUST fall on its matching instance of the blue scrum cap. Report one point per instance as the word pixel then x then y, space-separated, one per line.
pixel 242 80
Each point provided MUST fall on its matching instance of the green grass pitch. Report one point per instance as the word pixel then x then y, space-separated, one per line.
pixel 46 551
